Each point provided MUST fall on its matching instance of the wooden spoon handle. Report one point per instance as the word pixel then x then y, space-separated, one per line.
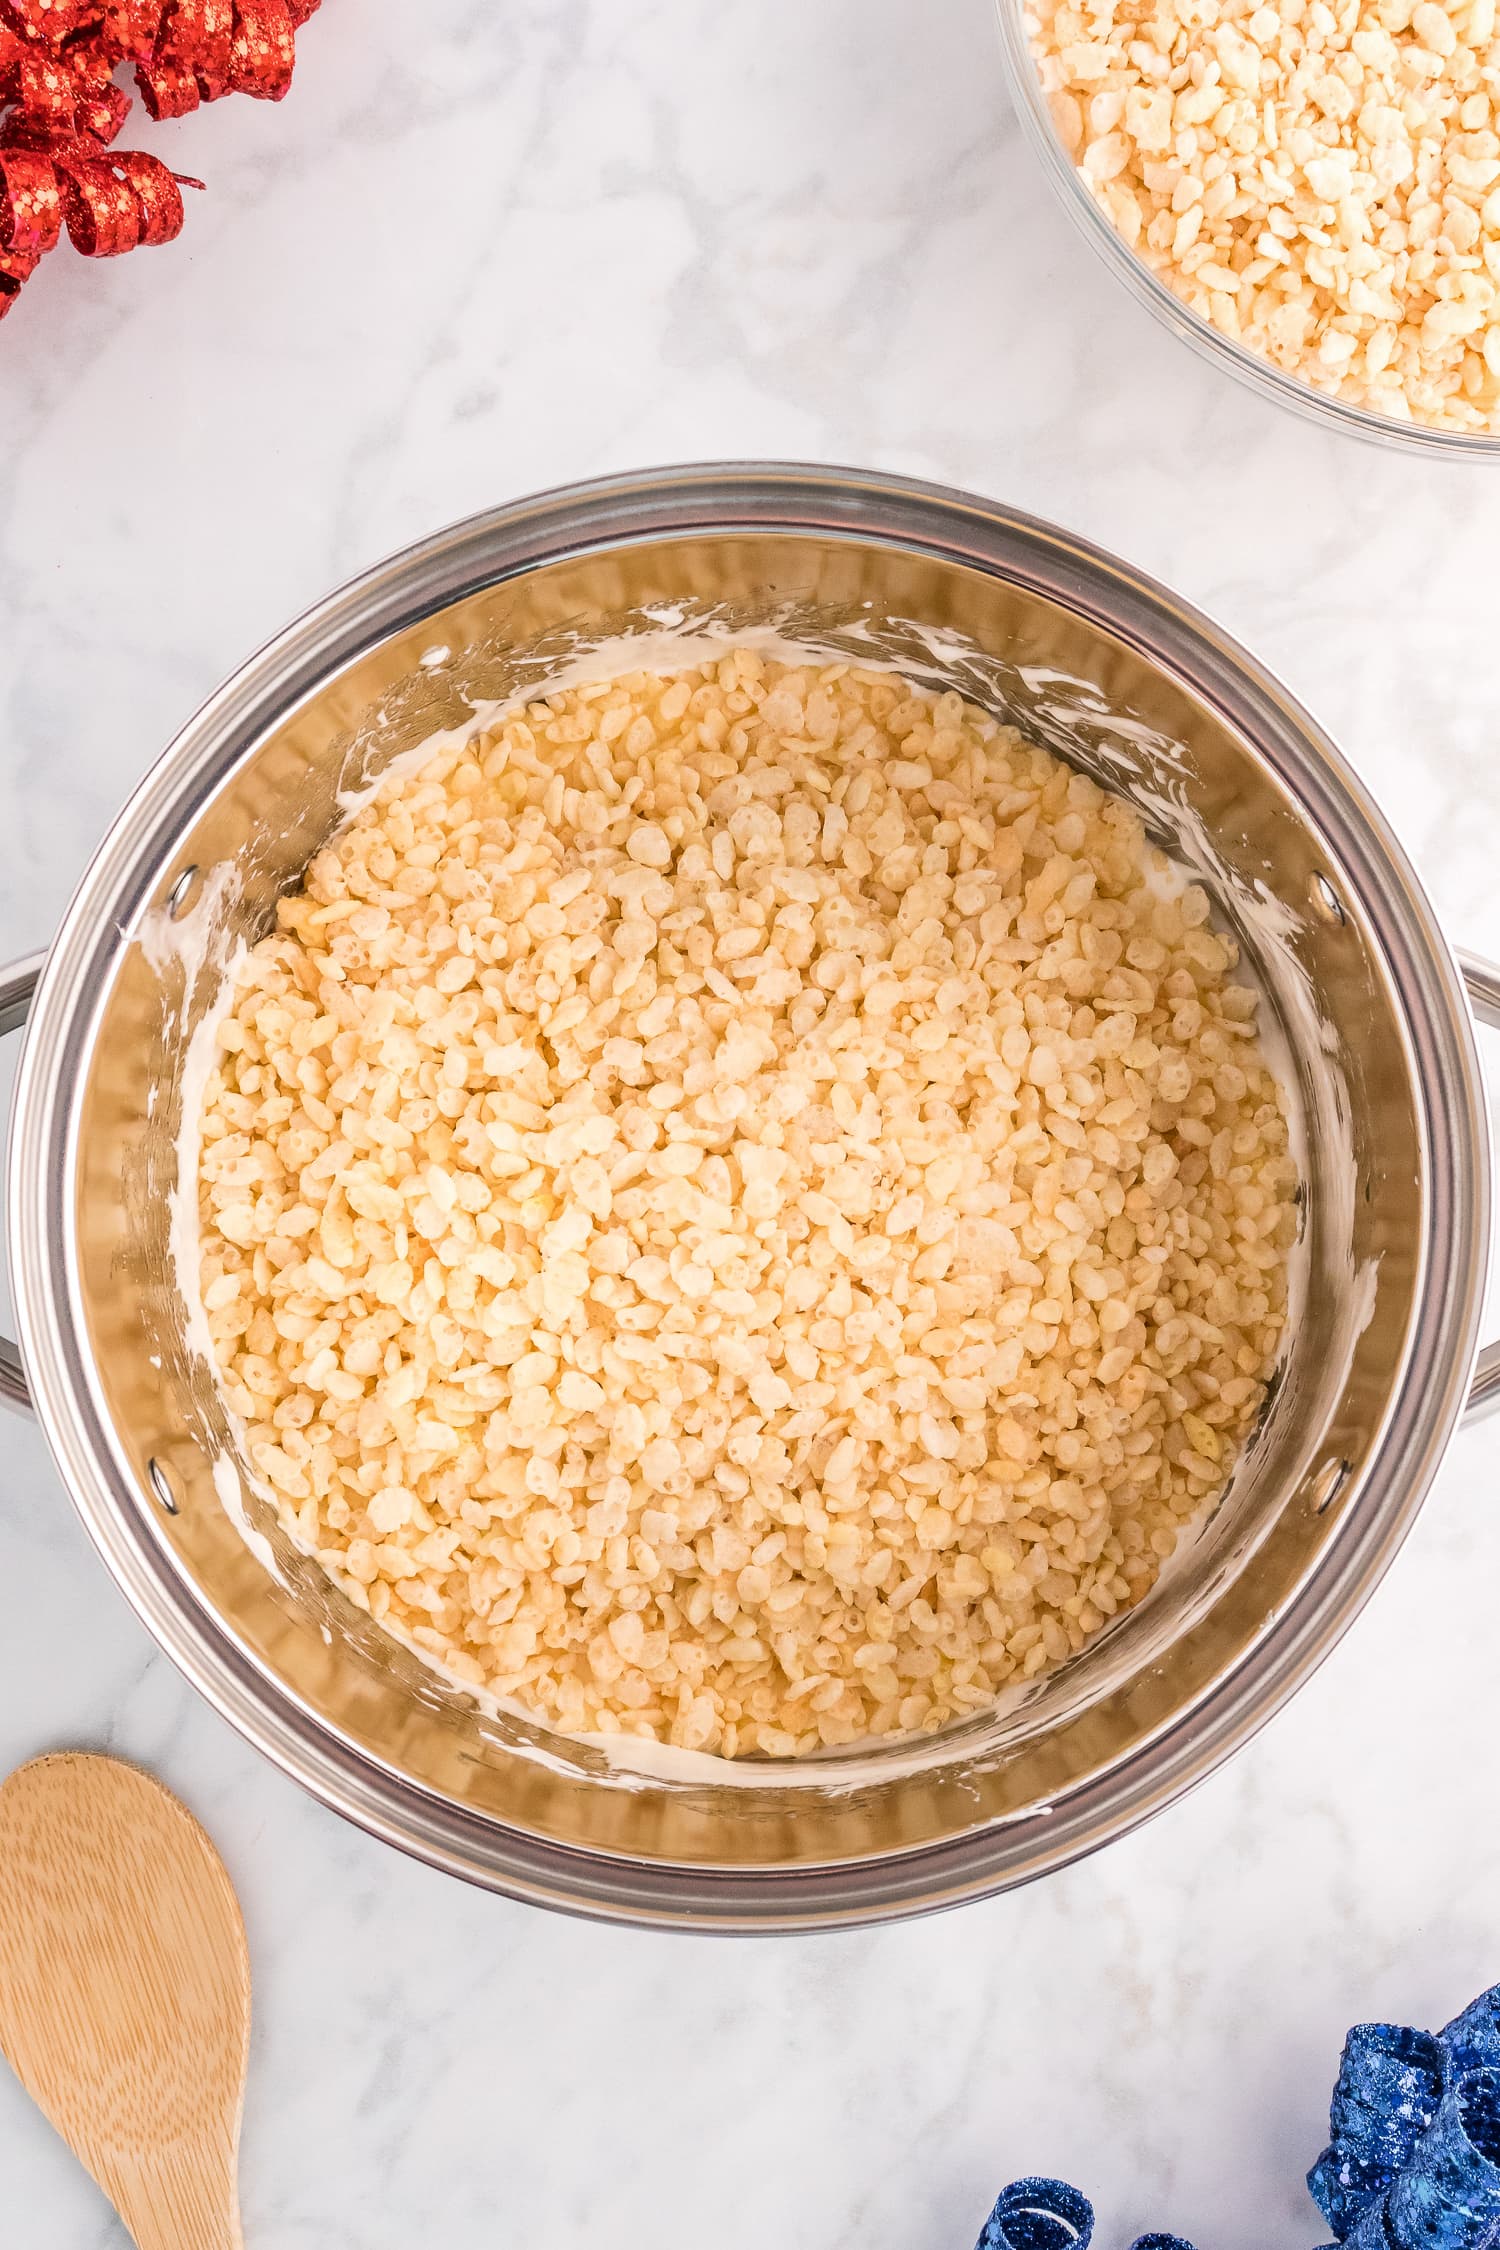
pixel 171 2205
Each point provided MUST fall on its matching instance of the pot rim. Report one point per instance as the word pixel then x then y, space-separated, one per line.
pixel 718 499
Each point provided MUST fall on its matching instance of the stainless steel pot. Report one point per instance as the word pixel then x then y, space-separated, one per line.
pixel 1130 684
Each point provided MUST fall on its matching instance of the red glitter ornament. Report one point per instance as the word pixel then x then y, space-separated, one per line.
pixel 60 111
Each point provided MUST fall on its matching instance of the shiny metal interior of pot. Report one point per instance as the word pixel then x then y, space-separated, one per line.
pixel 1206 792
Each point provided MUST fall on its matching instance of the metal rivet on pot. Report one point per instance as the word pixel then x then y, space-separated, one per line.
pixel 1327 1485
pixel 1326 901
pixel 180 897
pixel 163 1485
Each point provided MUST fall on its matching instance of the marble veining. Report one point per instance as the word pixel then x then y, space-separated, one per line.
pixel 482 250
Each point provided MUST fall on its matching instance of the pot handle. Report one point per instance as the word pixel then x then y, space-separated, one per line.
pixel 1482 983
pixel 18 982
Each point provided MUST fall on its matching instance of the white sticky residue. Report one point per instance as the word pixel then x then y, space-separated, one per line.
pixel 200 943
pixel 668 648
pixel 229 1483
pixel 1289 1022
pixel 1156 774
pixel 185 948
pixel 641 1759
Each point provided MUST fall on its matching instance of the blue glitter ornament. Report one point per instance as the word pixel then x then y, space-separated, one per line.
pixel 1389 2085
pixel 1448 2198
pixel 1472 2040
pixel 1373 2231
pixel 1039 2215
pixel 1050 2215
pixel 1413 2156
pixel 1414 2160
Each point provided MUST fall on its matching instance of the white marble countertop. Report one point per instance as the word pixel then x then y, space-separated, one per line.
pixel 482 250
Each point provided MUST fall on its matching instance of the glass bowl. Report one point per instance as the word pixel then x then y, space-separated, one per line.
pixel 1250 367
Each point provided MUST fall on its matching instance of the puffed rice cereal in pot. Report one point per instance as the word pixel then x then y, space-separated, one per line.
pixel 744 1207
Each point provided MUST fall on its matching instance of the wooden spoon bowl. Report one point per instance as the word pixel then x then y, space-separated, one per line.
pixel 125 1992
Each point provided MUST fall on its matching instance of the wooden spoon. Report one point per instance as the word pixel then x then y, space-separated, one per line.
pixel 125 1992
